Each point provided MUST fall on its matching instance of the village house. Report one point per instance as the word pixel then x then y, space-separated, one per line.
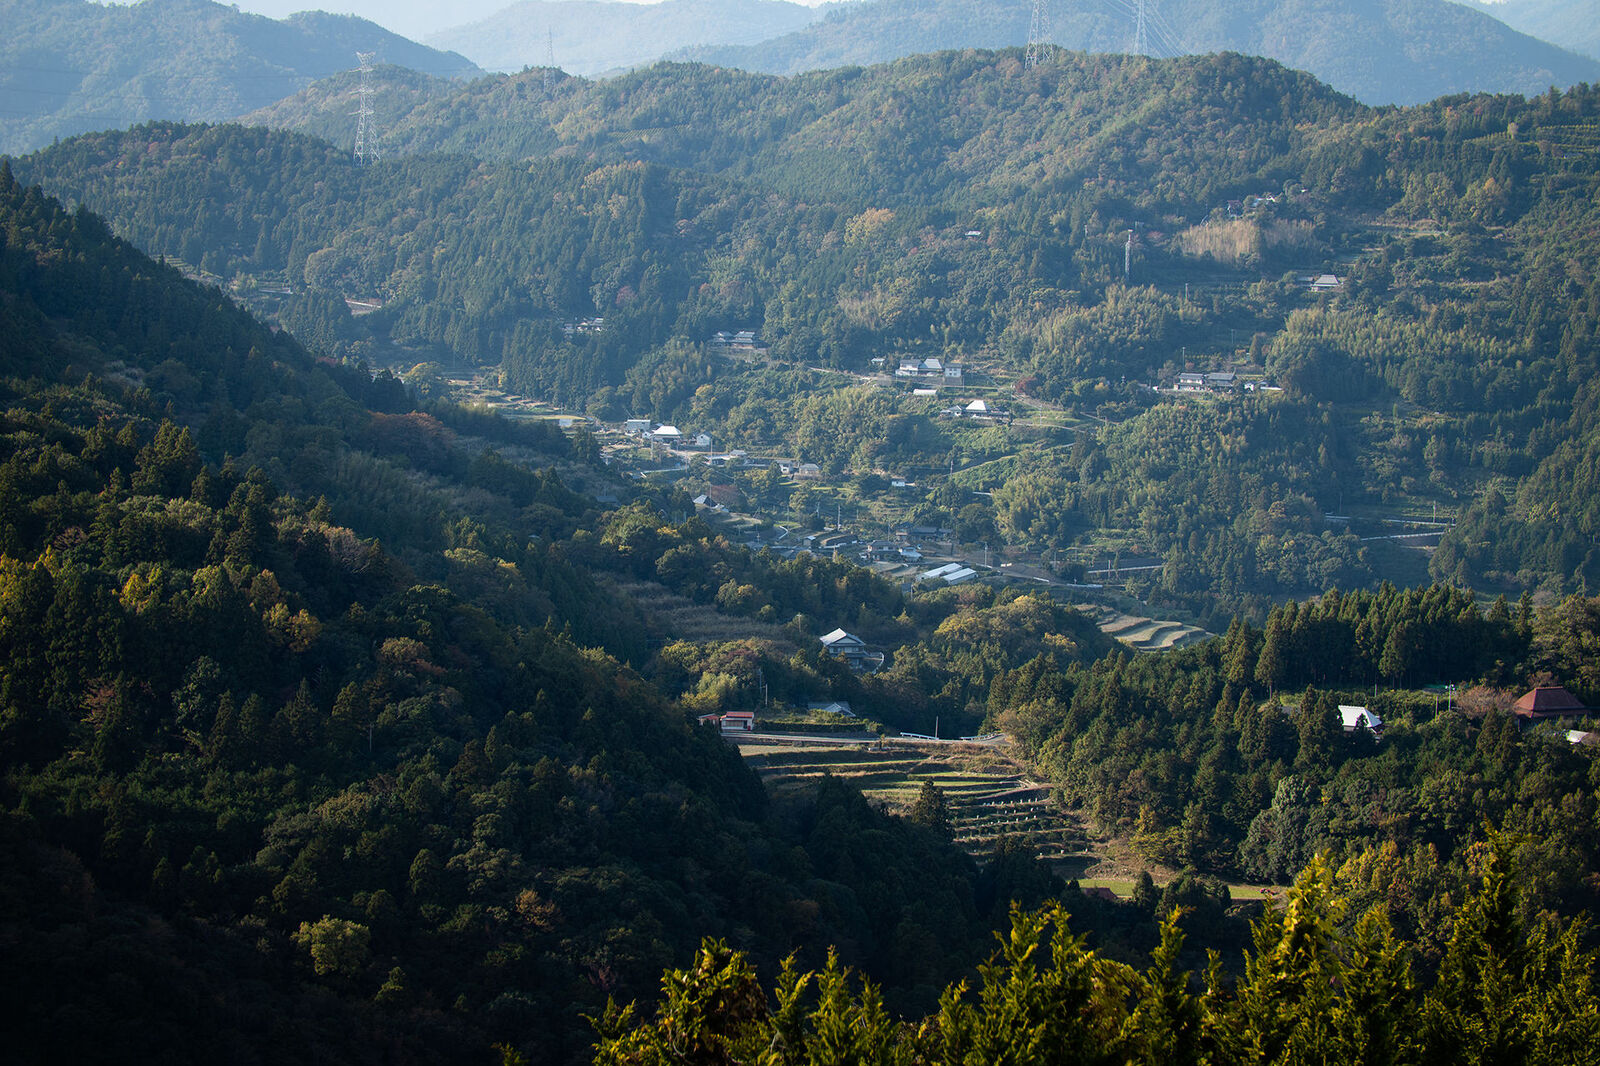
pixel 853 650
pixel 1546 702
pixel 930 369
pixel 1206 381
pixel 926 533
pixel 742 341
pixel 1356 718
pixel 1321 282
pixel 882 550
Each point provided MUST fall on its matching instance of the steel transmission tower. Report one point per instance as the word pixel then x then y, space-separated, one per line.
pixel 549 58
pixel 1038 36
pixel 1141 30
pixel 366 130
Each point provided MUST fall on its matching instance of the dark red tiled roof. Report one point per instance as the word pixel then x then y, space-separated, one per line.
pixel 1548 700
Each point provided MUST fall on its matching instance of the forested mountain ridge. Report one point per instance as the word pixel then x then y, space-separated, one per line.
pixel 67 66
pixel 957 131
pixel 1380 51
pixel 592 37
pixel 1573 24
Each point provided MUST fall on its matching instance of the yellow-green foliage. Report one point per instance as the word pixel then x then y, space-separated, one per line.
pixel 1240 239
pixel 1313 990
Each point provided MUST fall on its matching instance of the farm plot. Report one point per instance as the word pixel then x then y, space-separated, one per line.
pixel 675 617
pixel 989 799
pixel 1145 634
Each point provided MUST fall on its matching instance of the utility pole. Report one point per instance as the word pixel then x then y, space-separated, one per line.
pixel 366 129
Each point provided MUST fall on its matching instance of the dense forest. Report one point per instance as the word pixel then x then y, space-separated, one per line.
pixel 340 716
pixel 1510 989
pixel 341 794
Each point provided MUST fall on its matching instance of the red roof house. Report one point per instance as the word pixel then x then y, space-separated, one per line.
pixel 739 722
pixel 1548 701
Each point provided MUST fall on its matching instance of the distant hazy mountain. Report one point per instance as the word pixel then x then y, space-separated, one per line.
pixel 67 66
pixel 1573 24
pixel 598 36
pixel 1380 51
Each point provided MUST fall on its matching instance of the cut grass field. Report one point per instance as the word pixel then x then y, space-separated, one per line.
pixel 1145 634
pixel 677 617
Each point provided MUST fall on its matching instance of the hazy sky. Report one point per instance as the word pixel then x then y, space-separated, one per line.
pixel 409 18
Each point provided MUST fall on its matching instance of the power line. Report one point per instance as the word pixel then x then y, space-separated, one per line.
pixel 1153 35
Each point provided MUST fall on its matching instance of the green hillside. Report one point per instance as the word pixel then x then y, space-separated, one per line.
pixel 68 66
pixel 1080 233
pixel 275 787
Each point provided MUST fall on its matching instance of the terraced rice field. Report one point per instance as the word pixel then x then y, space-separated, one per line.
pixel 990 799
pixel 1145 634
